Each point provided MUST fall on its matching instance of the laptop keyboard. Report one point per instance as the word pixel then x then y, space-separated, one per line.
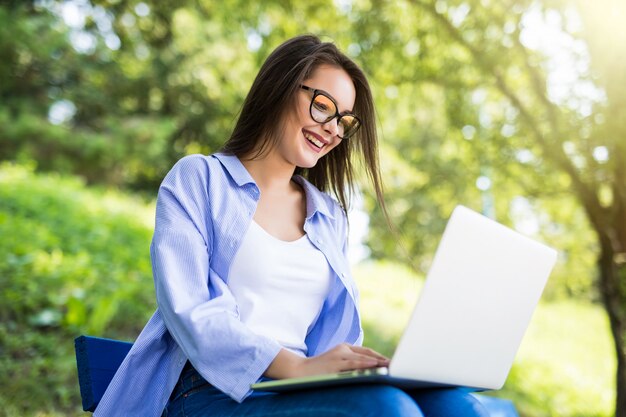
pixel 383 370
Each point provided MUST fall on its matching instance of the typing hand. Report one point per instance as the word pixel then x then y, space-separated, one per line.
pixel 342 357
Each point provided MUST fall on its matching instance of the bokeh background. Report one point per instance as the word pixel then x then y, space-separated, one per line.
pixel 516 108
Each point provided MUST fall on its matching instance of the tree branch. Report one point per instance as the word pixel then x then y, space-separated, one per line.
pixel 587 193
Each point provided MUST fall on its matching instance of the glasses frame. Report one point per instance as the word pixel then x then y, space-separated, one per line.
pixel 337 115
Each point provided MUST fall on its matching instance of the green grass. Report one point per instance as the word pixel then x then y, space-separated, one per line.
pixel 565 366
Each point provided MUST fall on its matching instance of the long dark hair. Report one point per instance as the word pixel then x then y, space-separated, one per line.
pixel 274 94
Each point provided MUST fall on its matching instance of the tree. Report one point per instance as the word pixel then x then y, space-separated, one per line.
pixel 579 133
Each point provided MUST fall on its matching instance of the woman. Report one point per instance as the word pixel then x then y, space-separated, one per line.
pixel 249 260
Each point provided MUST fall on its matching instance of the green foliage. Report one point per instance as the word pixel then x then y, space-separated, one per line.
pixel 388 292
pixel 566 364
pixel 73 261
pixel 137 158
pixel 126 115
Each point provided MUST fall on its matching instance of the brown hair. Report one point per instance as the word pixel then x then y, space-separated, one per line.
pixel 274 93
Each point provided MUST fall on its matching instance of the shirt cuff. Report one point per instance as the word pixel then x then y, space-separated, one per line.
pixel 255 371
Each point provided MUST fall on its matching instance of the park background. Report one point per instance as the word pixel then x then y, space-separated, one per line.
pixel 516 108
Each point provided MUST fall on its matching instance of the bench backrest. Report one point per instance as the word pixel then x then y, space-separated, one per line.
pixel 97 360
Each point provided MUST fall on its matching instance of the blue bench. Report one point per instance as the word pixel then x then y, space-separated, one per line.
pixel 97 359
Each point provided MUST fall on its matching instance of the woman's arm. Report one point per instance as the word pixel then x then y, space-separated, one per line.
pixel 342 357
pixel 194 301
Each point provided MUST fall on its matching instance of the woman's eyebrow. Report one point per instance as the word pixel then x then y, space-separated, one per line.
pixel 335 101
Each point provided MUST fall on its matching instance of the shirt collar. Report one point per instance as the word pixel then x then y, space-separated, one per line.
pixel 235 168
pixel 316 201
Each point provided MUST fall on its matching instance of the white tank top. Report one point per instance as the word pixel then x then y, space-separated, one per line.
pixel 279 286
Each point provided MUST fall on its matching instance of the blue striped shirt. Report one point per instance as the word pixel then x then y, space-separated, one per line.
pixel 204 206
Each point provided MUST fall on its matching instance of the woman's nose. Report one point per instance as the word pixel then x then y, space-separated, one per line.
pixel 331 127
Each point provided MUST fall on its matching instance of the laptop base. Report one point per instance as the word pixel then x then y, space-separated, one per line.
pixel 342 379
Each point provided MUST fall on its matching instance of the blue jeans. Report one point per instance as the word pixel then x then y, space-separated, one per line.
pixel 195 397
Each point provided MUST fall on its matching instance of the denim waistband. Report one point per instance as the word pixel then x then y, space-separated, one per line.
pixel 189 380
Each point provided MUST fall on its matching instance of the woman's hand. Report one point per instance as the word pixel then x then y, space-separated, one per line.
pixel 343 357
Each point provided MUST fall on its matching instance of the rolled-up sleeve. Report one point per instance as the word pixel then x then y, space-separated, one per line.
pixel 196 305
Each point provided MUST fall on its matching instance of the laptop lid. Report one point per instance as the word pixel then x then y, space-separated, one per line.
pixel 481 290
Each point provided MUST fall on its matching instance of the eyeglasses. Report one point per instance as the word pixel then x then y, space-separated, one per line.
pixel 323 109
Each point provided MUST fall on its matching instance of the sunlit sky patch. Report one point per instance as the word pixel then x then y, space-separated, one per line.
pixel 75 13
pixel 568 61
pixel 61 111
pixel 524 218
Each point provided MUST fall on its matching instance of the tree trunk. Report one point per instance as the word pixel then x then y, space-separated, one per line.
pixel 613 288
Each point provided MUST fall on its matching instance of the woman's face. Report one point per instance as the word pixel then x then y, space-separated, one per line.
pixel 305 141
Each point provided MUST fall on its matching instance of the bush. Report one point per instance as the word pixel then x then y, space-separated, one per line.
pixel 73 260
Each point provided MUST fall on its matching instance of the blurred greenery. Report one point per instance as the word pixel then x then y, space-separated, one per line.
pixel 515 108
pixel 74 260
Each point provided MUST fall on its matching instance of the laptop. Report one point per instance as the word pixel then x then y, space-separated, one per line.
pixel 467 325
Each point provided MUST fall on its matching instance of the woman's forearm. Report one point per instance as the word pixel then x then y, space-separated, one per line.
pixel 285 365
pixel 342 357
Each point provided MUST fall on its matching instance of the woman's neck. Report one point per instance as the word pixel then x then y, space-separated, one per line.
pixel 281 208
pixel 270 173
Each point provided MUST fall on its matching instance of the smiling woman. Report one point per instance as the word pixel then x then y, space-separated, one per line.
pixel 314 119
pixel 277 94
pixel 250 260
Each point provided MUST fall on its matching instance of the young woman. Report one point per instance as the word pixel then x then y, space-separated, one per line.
pixel 249 260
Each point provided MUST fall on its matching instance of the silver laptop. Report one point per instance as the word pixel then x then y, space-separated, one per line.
pixel 478 298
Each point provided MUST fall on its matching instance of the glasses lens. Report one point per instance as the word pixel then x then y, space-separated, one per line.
pixel 322 109
pixel 347 126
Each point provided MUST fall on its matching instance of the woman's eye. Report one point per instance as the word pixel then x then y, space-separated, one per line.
pixel 320 106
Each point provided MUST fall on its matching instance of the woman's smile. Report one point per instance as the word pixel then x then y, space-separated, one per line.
pixel 316 142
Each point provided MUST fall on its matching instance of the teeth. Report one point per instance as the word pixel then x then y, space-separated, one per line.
pixel 313 140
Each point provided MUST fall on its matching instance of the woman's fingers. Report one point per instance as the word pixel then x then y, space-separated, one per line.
pixel 376 358
pixel 351 364
pixel 337 361
pixel 343 357
pixel 354 357
pixel 369 352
